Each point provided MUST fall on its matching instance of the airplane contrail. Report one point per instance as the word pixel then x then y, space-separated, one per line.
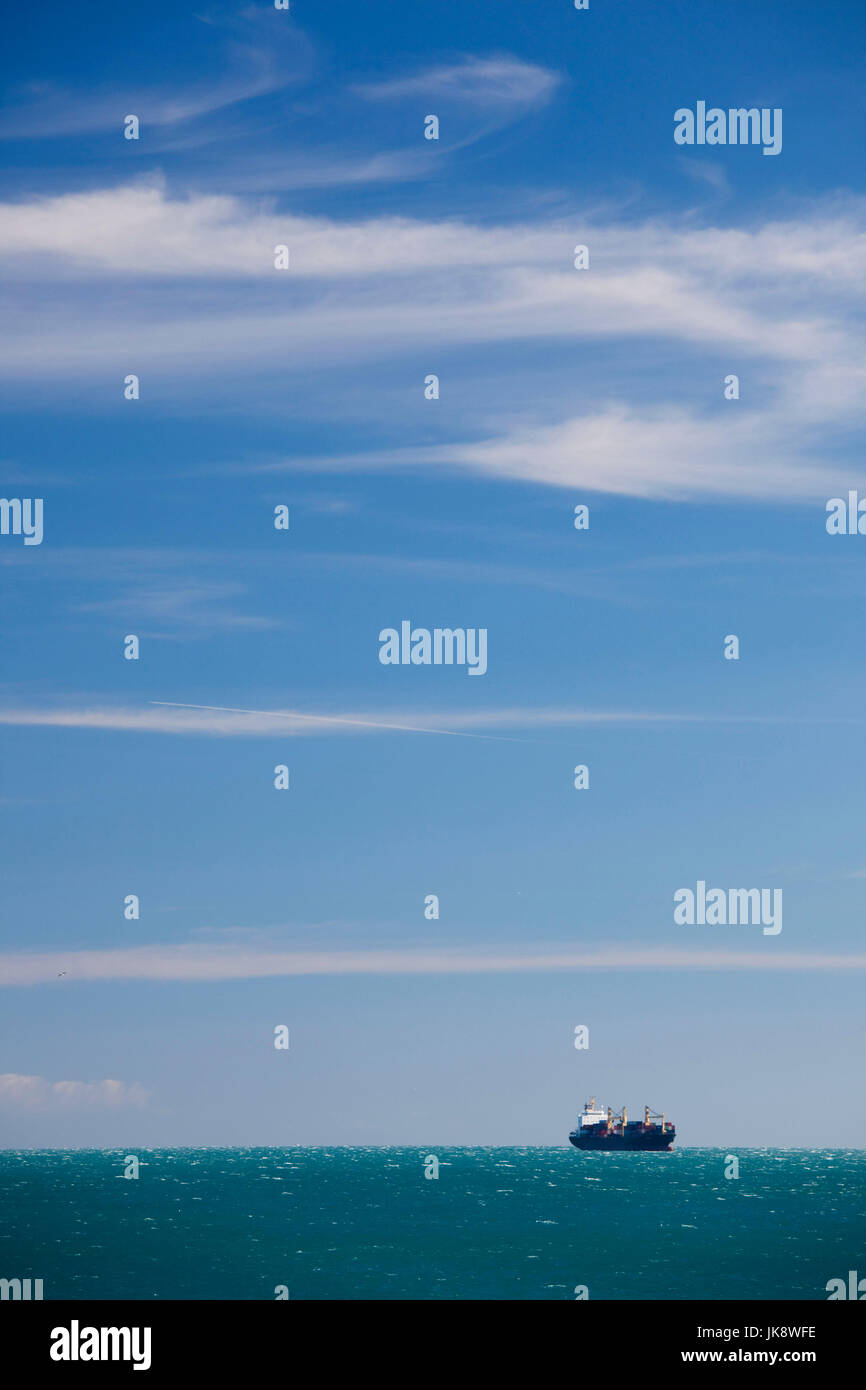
pixel 336 719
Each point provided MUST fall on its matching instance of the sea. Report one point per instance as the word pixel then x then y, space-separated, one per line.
pixel 494 1223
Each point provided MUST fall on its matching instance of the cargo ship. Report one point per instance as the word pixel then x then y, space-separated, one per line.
pixel 598 1128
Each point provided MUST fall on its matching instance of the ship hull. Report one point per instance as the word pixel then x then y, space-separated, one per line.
pixel 652 1142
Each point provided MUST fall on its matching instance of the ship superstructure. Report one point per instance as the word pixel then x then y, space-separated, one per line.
pixel 600 1128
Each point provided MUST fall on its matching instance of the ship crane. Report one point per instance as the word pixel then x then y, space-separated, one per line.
pixel 599 1127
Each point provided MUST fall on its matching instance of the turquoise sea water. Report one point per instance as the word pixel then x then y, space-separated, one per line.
pixel 497 1223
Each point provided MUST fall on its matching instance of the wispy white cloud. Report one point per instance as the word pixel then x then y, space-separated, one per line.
pixel 502 81
pixel 201 607
pixel 138 230
pixel 182 591
pixel 664 453
pixel 36 1093
pixel 270 171
pixel 216 721
pixel 712 174
pixel 230 962
pixel 780 303
pixel 250 59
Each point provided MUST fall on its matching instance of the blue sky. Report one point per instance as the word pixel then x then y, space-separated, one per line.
pixel 306 388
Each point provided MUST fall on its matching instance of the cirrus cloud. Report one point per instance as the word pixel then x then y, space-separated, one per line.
pixel 779 303
pixel 498 81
